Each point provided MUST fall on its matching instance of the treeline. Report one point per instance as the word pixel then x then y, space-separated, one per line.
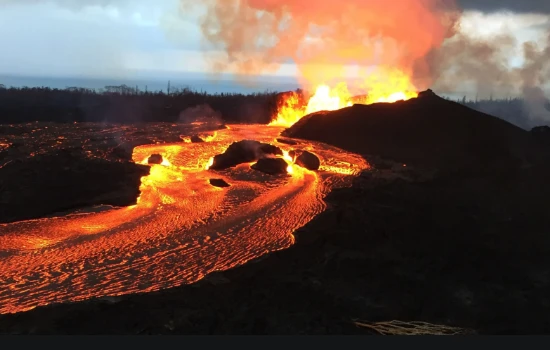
pixel 513 110
pixel 124 104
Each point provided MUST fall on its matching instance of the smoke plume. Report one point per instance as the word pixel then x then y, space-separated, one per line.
pixel 422 38
pixel 534 74
pixel 484 62
pixel 322 37
pixel 200 113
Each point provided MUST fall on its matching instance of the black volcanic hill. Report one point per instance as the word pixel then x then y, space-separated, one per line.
pixel 426 131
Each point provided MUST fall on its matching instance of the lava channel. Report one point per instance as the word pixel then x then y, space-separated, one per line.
pixel 181 228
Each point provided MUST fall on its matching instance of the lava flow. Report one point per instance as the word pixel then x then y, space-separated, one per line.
pixel 181 228
pixel 383 85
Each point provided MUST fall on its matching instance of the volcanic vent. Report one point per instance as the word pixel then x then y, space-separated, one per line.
pixel 390 85
pixel 427 131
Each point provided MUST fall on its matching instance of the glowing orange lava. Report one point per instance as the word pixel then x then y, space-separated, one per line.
pixel 290 161
pixel 209 164
pixel 383 85
pixel 326 100
pixel 180 230
pixel 210 138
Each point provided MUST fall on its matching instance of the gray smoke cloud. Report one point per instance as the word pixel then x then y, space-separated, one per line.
pixel 484 63
pixel 535 74
pixel 200 113
pixel 517 6
pixel 256 38
pixel 422 37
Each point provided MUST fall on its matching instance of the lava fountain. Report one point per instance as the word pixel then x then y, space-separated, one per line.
pixel 381 86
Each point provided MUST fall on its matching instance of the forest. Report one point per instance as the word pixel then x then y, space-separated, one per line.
pixel 126 104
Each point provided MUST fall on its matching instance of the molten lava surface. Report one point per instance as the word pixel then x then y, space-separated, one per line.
pixel 181 229
pixel 385 85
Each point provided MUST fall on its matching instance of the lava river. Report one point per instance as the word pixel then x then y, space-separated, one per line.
pixel 181 229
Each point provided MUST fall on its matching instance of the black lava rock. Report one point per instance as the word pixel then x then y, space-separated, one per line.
pixel 308 160
pixel 541 130
pixel 271 166
pixel 121 152
pixel 266 148
pixel 154 159
pixel 427 93
pixel 219 183
pixel 53 183
pixel 287 141
pixel 196 139
pixel 245 151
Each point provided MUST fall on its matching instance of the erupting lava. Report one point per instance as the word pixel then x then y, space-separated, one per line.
pixel 181 228
pixel 323 100
pixel 385 85
pixel 290 161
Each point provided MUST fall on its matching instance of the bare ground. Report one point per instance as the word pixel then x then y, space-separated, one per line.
pixel 465 249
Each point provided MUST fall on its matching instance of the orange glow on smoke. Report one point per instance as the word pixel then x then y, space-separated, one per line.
pixel 326 100
pixel 384 85
pixel 387 85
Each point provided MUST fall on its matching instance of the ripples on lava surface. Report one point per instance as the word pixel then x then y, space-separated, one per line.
pixel 181 229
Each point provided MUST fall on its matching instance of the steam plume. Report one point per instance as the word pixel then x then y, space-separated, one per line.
pixel 200 113
pixel 485 63
pixel 419 37
pixel 322 37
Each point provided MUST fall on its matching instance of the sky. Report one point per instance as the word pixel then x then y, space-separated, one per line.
pixel 127 39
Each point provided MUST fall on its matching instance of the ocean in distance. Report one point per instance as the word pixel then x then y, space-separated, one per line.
pixel 197 82
pixel 152 82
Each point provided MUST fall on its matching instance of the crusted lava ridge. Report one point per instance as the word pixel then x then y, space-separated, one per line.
pixel 244 151
pixel 65 181
pixel 427 131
